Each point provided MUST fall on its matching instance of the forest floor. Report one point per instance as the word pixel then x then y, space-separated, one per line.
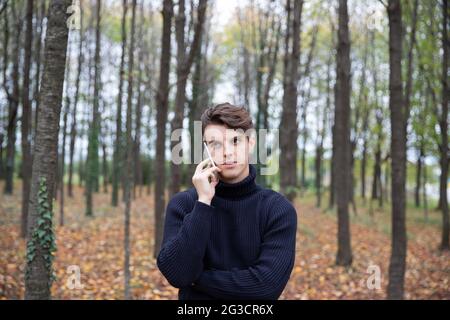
pixel 95 246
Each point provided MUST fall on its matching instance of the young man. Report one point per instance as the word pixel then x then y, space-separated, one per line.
pixel 228 238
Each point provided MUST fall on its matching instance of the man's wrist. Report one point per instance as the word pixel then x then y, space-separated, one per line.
pixel 205 200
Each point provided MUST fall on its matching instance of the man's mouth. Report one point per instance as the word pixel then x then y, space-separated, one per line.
pixel 229 164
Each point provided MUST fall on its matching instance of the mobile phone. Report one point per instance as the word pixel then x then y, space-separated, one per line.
pixel 209 155
pixel 212 161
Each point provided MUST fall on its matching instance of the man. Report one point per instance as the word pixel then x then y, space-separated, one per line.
pixel 228 238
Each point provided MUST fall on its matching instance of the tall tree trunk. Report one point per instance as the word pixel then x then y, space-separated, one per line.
pixel 26 117
pixel 360 111
pixel 138 175
pixel 73 130
pixel 288 124
pixel 4 114
pixel 63 154
pixel 117 161
pixel 265 58
pixel 365 120
pixel 409 70
pixel 129 172
pixel 92 172
pixel 342 122
pixel 64 136
pixel 398 152
pixel 105 171
pixel 244 88
pixel 424 192
pixel 376 180
pixel 38 277
pixel 418 177
pixel 321 134
pixel 443 125
pixel 161 119
pixel 2 168
pixel 332 187
pixel 364 155
pixel 197 103
pixel 38 58
pixel 185 61
pixel 303 108
pixel 13 100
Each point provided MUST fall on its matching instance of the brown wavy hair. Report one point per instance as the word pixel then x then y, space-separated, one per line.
pixel 231 116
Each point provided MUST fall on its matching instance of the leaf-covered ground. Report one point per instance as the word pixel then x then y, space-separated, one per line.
pixel 95 246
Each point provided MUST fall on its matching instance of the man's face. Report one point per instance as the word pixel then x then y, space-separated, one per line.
pixel 230 150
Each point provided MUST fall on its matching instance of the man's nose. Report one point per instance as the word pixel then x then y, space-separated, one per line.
pixel 229 151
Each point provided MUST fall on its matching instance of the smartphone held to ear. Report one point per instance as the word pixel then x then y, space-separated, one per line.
pixel 211 161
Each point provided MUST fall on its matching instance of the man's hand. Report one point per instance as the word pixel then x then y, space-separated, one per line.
pixel 205 180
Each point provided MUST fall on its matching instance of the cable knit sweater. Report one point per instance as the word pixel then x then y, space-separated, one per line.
pixel 242 246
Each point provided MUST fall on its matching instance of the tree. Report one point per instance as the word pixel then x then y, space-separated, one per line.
pixel 342 132
pixel 73 129
pixel 306 95
pixel 364 110
pixel 138 174
pixel 38 57
pixel 266 42
pixel 162 102
pixel 40 244
pixel 185 61
pixel 93 159
pixel 202 82
pixel 13 98
pixel 129 154
pixel 288 124
pixel 443 125
pixel 26 117
pixel 2 169
pixel 321 132
pixel 360 111
pixel 118 144
pixel 63 141
pixel 398 152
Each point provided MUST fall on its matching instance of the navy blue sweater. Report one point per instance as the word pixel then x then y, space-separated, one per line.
pixel 242 246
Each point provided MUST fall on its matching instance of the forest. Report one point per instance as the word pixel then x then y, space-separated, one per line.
pixel 354 96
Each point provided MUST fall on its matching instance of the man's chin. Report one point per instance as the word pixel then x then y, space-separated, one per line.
pixel 231 174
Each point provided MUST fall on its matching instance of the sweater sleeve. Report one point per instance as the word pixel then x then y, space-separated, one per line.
pixel 186 235
pixel 268 276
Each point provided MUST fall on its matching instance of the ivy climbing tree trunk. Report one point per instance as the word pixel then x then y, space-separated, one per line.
pixel 38 277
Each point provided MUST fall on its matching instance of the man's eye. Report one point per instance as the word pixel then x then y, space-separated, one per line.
pixel 236 140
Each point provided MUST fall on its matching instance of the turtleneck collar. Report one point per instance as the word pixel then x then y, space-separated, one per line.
pixel 238 189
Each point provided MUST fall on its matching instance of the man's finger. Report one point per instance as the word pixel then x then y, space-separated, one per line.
pixel 211 170
pixel 201 165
